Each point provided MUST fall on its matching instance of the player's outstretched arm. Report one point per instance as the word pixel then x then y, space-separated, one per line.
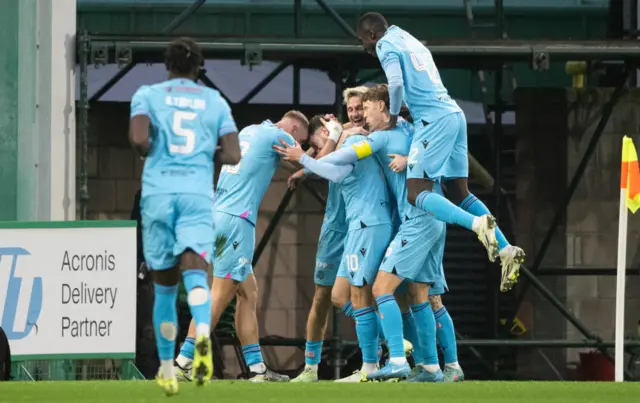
pixel 331 172
pixel 229 153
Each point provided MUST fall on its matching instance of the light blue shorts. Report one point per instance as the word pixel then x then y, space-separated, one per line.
pixel 439 149
pixel 329 256
pixel 363 252
pixel 408 254
pixel 235 242
pixel 174 223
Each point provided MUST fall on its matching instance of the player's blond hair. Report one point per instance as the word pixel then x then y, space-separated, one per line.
pixel 299 116
pixel 353 92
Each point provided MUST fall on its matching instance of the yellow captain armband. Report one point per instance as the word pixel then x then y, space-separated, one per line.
pixel 363 149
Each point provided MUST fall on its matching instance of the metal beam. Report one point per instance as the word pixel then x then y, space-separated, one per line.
pixel 268 232
pixel 316 195
pixel 336 17
pixel 202 76
pixel 607 110
pixel 498 50
pixel 265 81
pixel 297 18
pixel 112 81
pixel 180 19
pixel 84 46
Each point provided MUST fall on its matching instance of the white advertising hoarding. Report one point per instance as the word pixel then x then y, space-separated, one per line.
pixel 69 288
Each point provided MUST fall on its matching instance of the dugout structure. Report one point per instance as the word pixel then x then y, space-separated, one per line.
pixel 343 59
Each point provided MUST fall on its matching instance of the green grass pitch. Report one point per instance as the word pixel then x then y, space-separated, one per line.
pixel 321 392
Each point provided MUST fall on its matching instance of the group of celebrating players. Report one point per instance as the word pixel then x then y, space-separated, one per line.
pixel 382 241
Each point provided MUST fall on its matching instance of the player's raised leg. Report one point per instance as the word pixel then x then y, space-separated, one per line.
pixel 158 239
pixel 430 159
pixel 194 243
pixel 511 257
pixel 223 287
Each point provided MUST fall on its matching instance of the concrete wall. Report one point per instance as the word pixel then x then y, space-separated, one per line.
pixel 285 270
pixel 555 126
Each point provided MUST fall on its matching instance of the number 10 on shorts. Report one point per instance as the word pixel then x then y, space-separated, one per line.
pixel 352 262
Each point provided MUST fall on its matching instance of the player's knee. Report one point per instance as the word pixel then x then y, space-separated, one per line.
pixel 379 290
pixel 322 296
pixel 411 198
pixel 415 187
pixel 339 298
pixel 248 290
pixel 457 190
pixel 436 302
pixel 190 260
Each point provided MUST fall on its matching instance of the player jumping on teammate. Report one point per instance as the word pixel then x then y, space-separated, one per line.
pixel 238 195
pixel 439 148
pixel 176 125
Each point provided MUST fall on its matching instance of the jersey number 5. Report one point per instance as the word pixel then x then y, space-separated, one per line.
pixel 422 61
pixel 188 134
pixel 233 169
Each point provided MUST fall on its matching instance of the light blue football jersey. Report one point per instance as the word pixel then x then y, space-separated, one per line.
pixel 395 141
pixel 424 93
pixel 186 121
pixel 334 213
pixel 241 187
pixel 365 192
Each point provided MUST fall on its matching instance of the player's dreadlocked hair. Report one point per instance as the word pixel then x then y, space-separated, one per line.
pixel 373 22
pixel 184 57
pixel 315 123
pixel 378 93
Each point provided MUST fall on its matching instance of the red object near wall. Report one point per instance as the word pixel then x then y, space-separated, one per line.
pixel 595 367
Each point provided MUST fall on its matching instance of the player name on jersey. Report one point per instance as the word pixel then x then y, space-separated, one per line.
pixel 184 102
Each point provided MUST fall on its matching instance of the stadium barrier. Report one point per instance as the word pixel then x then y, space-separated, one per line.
pixel 68 292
